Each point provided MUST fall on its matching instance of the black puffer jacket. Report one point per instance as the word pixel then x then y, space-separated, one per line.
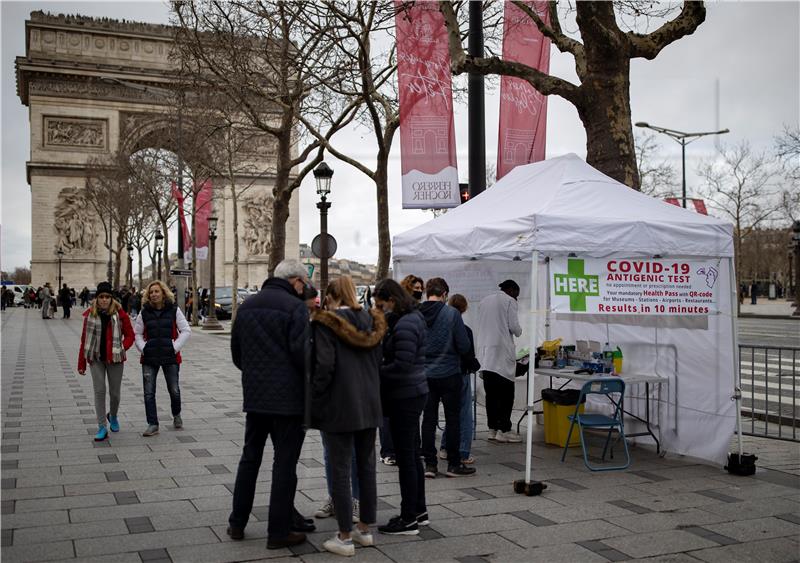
pixel 345 384
pixel 267 343
pixel 159 326
pixel 403 369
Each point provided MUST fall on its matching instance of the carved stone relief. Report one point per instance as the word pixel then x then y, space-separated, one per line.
pixel 258 224
pixel 74 222
pixel 75 133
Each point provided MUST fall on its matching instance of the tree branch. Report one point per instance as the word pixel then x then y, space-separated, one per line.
pixel 650 45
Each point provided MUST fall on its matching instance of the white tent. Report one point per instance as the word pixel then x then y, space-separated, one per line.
pixel 564 207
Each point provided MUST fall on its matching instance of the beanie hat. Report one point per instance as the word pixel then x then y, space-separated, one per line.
pixel 104 287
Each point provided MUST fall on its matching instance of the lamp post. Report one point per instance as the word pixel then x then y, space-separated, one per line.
pixel 796 241
pixel 60 253
pixel 110 265
pixel 681 137
pixel 130 265
pixel 159 239
pixel 211 322
pixel 323 174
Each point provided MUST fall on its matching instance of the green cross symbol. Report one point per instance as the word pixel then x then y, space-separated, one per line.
pixel 576 284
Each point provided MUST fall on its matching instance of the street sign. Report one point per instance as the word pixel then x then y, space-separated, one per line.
pixel 310 267
pixel 180 273
pixel 316 246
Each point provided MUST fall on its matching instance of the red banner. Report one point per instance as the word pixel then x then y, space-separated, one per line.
pixel 203 208
pixel 187 238
pixel 700 206
pixel 523 110
pixel 427 133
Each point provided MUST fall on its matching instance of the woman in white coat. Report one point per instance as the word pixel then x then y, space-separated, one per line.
pixel 498 324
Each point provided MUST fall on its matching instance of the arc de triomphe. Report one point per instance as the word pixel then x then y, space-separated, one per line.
pixel 77 114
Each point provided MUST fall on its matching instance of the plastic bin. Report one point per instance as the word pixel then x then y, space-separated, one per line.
pixel 558 404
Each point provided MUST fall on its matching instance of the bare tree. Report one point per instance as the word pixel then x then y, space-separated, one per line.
pixel 602 62
pixel 656 175
pixel 273 60
pixel 787 149
pixel 740 184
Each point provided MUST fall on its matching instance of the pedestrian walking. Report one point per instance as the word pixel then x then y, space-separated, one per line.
pixel 161 332
pixel 47 296
pixel 84 296
pixel 268 344
pixel 445 343
pixel 404 392
pixel 753 292
pixel 346 405
pixel 106 335
pixel 136 302
pixel 469 365
pixel 66 301
pixel 498 324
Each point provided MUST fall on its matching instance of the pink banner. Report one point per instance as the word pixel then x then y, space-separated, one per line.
pixel 427 134
pixel 700 206
pixel 673 201
pixel 187 238
pixel 203 208
pixel 523 110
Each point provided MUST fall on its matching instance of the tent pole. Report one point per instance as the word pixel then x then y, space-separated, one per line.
pixel 737 384
pixel 533 328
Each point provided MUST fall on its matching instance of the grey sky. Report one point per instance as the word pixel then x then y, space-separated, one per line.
pixel 751 48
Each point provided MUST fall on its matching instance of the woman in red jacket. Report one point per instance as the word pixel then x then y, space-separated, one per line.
pixel 107 333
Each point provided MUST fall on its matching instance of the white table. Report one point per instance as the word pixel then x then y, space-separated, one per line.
pixel 629 379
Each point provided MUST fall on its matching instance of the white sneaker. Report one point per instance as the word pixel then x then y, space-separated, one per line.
pixel 492 435
pixel 361 538
pixel 356 511
pixel 326 510
pixel 339 546
pixel 507 438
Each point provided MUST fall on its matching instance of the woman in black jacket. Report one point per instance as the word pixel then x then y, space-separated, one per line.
pixel 346 405
pixel 404 390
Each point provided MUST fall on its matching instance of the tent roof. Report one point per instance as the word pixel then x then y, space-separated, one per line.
pixel 564 205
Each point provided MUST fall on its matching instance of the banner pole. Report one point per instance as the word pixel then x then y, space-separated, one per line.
pixel 532 350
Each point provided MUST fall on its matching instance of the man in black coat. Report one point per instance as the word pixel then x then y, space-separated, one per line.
pixel 268 344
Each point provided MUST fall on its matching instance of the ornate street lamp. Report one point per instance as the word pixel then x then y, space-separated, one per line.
pixel 211 322
pixel 681 137
pixel 159 240
pixel 130 265
pixel 60 253
pixel 323 174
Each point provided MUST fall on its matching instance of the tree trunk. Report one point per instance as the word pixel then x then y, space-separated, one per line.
pixel 118 257
pixel 280 203
pixel 609 140
pixel 382 194
pixel 140 267
pixel 235 277
pixel 195 293
pixel 165 253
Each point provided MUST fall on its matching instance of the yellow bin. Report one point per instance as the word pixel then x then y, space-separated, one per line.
pixel 556 423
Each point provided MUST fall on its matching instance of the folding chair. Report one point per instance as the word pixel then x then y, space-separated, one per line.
pixel 601 386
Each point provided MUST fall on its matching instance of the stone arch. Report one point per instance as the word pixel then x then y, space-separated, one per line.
pixel 77 114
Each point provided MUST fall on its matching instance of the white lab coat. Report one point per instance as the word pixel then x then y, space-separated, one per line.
pixel 498 324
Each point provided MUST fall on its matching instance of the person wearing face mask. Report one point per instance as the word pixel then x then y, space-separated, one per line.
pixel 404 393
pixel 414 285
pixel 268 344
pixel 106 335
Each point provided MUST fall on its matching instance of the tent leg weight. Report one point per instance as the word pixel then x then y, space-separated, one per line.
pixel 741 464
pixel 529 489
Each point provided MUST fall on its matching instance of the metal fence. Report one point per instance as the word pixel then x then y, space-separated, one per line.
pixel 770 386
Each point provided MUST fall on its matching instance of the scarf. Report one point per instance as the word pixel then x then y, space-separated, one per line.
pixel 94 327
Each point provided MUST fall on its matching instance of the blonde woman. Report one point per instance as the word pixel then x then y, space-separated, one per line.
pixel 161 331
pixel 106 334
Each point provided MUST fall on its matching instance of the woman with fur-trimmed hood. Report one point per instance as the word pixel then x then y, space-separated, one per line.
pixel 346 405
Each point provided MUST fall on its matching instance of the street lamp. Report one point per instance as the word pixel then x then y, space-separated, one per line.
pixel 159 239
pixel 681 138
pixel 323 174
pixel 211 322
pixel 796 241
pixel 60 253
pixel 130 265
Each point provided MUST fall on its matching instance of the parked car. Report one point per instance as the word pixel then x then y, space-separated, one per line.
pixel 223 297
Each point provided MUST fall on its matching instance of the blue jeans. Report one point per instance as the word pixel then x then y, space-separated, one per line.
pixel 353 472
pixel 467 422
pixel 149 376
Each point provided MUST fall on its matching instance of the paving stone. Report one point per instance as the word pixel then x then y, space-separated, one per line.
pixel 532 518
pixel 7 538
pixel 139 525
pixel 709 535
pixel 649 476
pixel 756 529
pixel 150 555
pixel 477 493
pixel 452 527
pixel 39 551
pixel 150 509
pixel 657 543
pixel 776 550
pixel 144 541
pixel 26 493
pixel 116 476
pixel 108 458
pixel 186 439
pixel 218 469
pixel 794 518
pixel 655 521
pixel 485 545
pixel 719 496
pixel 8 483
pixel 630 506
pixel 32 535
pixel 229 551
pixel 126 497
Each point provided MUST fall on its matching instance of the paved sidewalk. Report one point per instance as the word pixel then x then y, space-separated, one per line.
pixel 766 308
pixel 167 498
